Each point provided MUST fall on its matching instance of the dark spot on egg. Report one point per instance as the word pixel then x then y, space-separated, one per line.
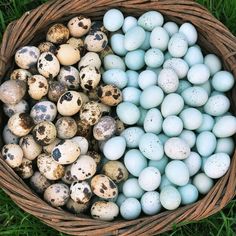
pixel 87 86
pixel 112 185
pixel 99 92
pixel 66 97
pixel 102 191
pixel 70 78
pixel 104 43
pixel 116 96
pixel 104 186
pixel 41 129
pixel 108 93
pixel 26 121
pixel 40 65
pixel 48 57
pixel 98 36
pixel 41 85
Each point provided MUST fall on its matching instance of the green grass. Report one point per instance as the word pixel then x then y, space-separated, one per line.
pixel 15 222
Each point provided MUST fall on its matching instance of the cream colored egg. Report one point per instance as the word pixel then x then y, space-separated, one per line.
pixel 89 77
pixel 79 26
pixel 25 170
pixel 39 182
pixel 20 74
pixel 96 42
pixel 80 192
pixel 58 34
pixel 76 43
pixel 90 59
pixel 47 47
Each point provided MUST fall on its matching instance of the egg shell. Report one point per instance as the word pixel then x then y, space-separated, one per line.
pixel 170 198
pixel 66 127
pixel 159 38
pixel 203 183
pixel 58 34
pixel 150 202
pixel 172 126
pixel 39 182
pixel 132 78
pixel 147 78
pixel 117 44
pixel 80 192
pixel 194 56
pixel 134 60
pixel 207 123
pixel 55 90
pixel 129 22
pixel 48 148
pixel 225 145
pixel 143 113
pixel 96 41
pixel 113 20
pixel 189 137
pixel 75 207
pixel 222 81
pixel 96 156
pixel 178 45
pixel 47 47
pixel 189 194
pixel 79 26
pixel 83 128
pixel 160 164
pixel 67 177
pixel 165 182
pixel 20 107
pixel 132 136
pixel 112 61
pixel 131 94
pixel 20 74
pixel 190 33
pixel 90 59
pixel 130 209
pixel 146 43
pixel 198 74
pixel 193 162
pixel 8 136
pixel 153 121
pixel 213 63
pixel 171 27
pixel 183 84
pixel 25 170
pixel 154 58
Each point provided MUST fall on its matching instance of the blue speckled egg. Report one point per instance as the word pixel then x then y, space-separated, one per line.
pixel 171 27
pixel 113 20
pixel 223 81
pixel 189 137
pixel 207 123
pixel 198 74
pixel 117 44
pixel 159 38
pixel 134 60
pixel 190 33
pixel 130 209
pixel 160 164
pixel 183 84
pixel 129 23
pixel 203 183
pixel 154 57
pixel 150 203
pixel 132 136
pixel 146 79
pixel 146 44
pixel 213 63
pixel 178 45
pixel 143 113
pixel 165 182
pixel 153 121
pixel 131 188
pixel 194 56
pixel 112 61
pixel 172 126
pixel 193 162
pixel 170 198
pixel 189 194
pixel 132 78
pixel 131 94
pixel 225 145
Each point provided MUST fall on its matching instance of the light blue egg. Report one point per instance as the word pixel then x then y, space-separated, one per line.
pixel 113 20
pixel 154 57
pixel 131 41
pixel 153 121
pixel 159 38
pixel 156 70
pixel 194 56
pixel 151 147
pixel 130 209
pixel 146 44
pixel 178 45
pixel 132 78
pixel 135 162
pixel 170 198
pixel 223 81
pixel 189 194
pixel 225 145
pixel 114 148
pixel 128 113
pixel 190 33
pixel 171 27
pixel 131 94
pixel 151 19
pixel 213 63
pixel 150 203
pixel 131 188
pixel 115 77
pixel 160 164
pixel 165 182
pixel 151 97
pixel 177 172
pixel 198 74
pixel 143 113
pixel 112 61
pixel 206 86
pixel 207 123
pixel 117 44
pixel 189 137
pixel 172 126
pixel 129 23
pixel 183 84
pixel 167 56
pixel 203 163
pixel 146 79
pixel 163 138
pixel 132 136
pixel 203 183
pixel 120 199
pixel 193 163
pixel 134 60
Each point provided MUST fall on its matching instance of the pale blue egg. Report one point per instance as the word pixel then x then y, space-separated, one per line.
pixel 165 182
pixel 156 70
pixel 189 194
pixel 117 44
pixel 160 164
pixel 198 74
pixel 132 136
pixel 131 188
pixel 151 147
pixel 150 203
pixel 130 209
pixel 113 20
pixel 170 198
pixel 134 60
pixel 213 63
pixel 177 172
pixel 172 126
pixel 128 113
pixel 190 32
pixel 154 57
pixel 225 145
pixel 207 123
pixel 167 56
pixel 120 199
pixel 129 23
pixel 135 162
pixel 112 61
pixel 132 78
pixel 131 94
pixel 194 56
pixel 151 97
pixel 146 44
pixel 171 28
pixel 151 19
pixel 163 138
pixel 114 148
pixel 223 81
pixel 189 137
pixel 203 163
pixel 183 84
pixel 147 78
pixel 153 121
pixel 203 183
pixel 178 45
pixel 193 163
pixel 206 86
pixel 115 77
pixel 159 38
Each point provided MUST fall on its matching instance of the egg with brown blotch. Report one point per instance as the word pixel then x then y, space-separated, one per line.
pixel 79 26
pixel 47 47
pixel 96 42
pixel 66 127
pixel 67 177
pixel 20 74
pixel 25 170
pixel 55 90
pixel 80 192
pixel 77 208
pixel 21 107
pixel 58 34
pixel 38 182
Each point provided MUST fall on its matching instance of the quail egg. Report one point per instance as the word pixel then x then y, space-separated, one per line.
pixel 55 90
pixel 47 47
pixel 66 127
pixel 58 34
pixel 39 182
pixel 25 170
pixel 21 107
pixel 96 41
pixel 20 74
pixel 79 26
pixel 80 192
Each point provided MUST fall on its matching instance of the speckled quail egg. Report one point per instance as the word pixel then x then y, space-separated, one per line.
pixel 90 77
pixel 25 170
pixel 58 34
pixel 49 168
pixel 76 43
pixel 104 210
pixel 106 51
pixel 109 95
pixel 120 127
pixel 48 65
pixel 57 194
pixel 8 136
pixel 98 26
pixel 104 187
pixel 12 154
pixel 95 155
pixel 20 124
pixel 21 107
pixel 80 192
pixel 44 133
pixel 75 207
pixel 96 42
pixel 30 148
pixel 105 109
pixel 27 57
pixel 79 26
pixel 105 128
pixel 67 177
pixel 55 90
pixel 38 182
pixel 48 148
pixel 83 128
pixel 90 112
pixel 92 94
pixel 84 167
pixel 90 59
pixel 12 91
pixel 47 47
pixel 69 103
pixel 83 144
pixel 20 74
pixel 66 127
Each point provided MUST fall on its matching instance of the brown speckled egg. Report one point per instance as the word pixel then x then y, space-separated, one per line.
pixel 97 26
pixel 83 128
pixel 116 171
pixel 20 124
pixel 84 168
pixel 105 128
pixel 76 43
pixel 90 59
pixel 105 109
pixel 80 192
pixel 49 168
pixel 67 54
pixel 47 47
pixel 37 87
pixel 79 26
pixel 75 207
pixel 55 90
pixel 83 144
pixel 103 210
pixel 68 178
pixel 57 194
pixel 20 74
pixel 103 186
pixel 96 42
pixel 58 34
pixel 39 182
pixel 89 77
pixel 8 136
pixel 12 91
pixel 25 170
pixel 109 95
pixel 21 107
pixel 119 126
pixel 66 127
pixel 95 155
pixel 48 65
pixel 12 154
pixel 106 51
pixel 48 148
pixel 69 76
pixel 92 94
pixel 30 148
pixel 90 113
pixel 44 133
pixel 27 57
pixel 69 103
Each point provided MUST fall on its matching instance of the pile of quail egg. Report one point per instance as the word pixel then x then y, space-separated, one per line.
pixel 121 116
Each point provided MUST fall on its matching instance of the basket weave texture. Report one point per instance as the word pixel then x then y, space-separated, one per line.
pixel 214 37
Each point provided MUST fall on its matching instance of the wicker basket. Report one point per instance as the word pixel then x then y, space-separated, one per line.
pixel 214 37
